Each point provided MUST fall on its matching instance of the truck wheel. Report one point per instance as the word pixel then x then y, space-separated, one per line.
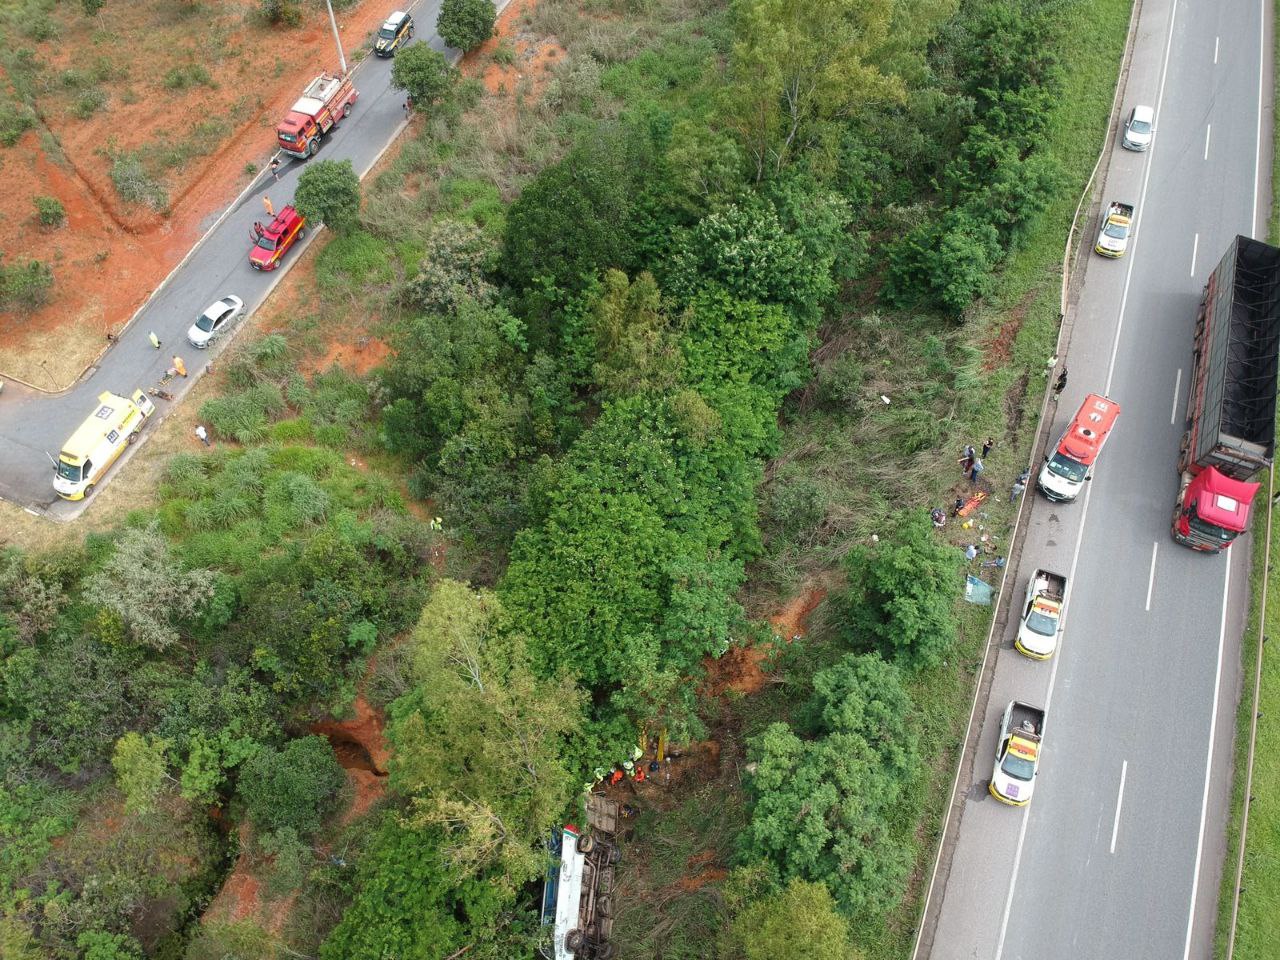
pixel 573 941
pixel 346 109
pixel 302 234
pixel 313 146
pixel 586 843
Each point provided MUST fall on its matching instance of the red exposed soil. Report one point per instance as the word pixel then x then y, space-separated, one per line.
pixel 357 358
pixel 998 350
pixel 533 57
pixel 738 669
pixel 359 742
pixel 792 621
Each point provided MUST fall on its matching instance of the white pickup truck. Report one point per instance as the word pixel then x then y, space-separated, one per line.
pixel 1114 230
pixel 1040 621
pixel 1017 754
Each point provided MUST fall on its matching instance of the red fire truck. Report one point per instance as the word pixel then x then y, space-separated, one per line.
pixel 327 99
pixel 272 242
pixel 1071 463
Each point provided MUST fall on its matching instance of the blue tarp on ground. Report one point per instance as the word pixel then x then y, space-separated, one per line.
pixel 977 591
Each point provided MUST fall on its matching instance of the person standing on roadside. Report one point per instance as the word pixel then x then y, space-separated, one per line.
pixel 266 205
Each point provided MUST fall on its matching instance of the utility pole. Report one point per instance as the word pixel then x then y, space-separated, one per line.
pixel 336 39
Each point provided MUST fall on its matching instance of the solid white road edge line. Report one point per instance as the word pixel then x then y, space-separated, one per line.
pixel 1115 826
pixel 1151 578
pixel 1177 388
pixel 1208 765
pixel 1208 129
pixel 1215 49
pixel 1084 511
pixel 1195 247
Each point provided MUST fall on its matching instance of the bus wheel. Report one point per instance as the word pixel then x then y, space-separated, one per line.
pixel 573 940
pixel 87 491
pixel 586 843
pixel 606 951
pixel 133 438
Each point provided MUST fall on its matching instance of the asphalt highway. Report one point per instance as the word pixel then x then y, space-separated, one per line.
pixel 1120 852
pixel 33 425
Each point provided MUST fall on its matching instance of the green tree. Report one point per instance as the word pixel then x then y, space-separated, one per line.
pixel 796 66
pixel 291 787
pixel 745 247
pixel 329 191
pixel 480 742
pixel 634 347
pixel 424 74
pixel 405 901
pixel 465 24
pixel 573 219
pixel 98 945
pixel 865 696
pixel 146 586
pixel 141 765
pixel 798 922
pixel 454 268
pixel 820 812
pixel 902 593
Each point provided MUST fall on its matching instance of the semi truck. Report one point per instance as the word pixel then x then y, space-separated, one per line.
pixel 326 100
pixel 1065 470
pixel 98 442
pixel 1231 402
pixel 1113 234
pixel 1017 754
pixel 1041 619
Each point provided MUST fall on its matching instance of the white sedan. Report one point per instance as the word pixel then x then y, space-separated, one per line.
pixel 215 321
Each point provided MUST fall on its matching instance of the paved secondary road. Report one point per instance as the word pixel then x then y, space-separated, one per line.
pixel 33 425
pixel 1120 853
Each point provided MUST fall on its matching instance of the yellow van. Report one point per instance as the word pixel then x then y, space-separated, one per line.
pixel 94 447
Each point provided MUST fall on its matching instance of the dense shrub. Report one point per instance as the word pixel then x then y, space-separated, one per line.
pixel 25 286
pixel 466 23
pixel 901 594
pixel 291 788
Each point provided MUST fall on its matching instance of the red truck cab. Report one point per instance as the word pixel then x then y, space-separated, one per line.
pixel 274 241
pixel 1212 510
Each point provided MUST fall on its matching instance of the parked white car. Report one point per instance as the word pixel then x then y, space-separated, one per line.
pixel 215 321
pixel 1139 128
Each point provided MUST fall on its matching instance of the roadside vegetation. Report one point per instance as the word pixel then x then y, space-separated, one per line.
pixel 1260 883
pixel 665 350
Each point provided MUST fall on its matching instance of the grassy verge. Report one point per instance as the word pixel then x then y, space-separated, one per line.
pixel 1260 894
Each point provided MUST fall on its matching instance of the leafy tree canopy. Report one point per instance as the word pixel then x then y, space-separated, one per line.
pixel 798 922
pixel 291 787
pixel 329 192
pixel 902 593
pixel 465 24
